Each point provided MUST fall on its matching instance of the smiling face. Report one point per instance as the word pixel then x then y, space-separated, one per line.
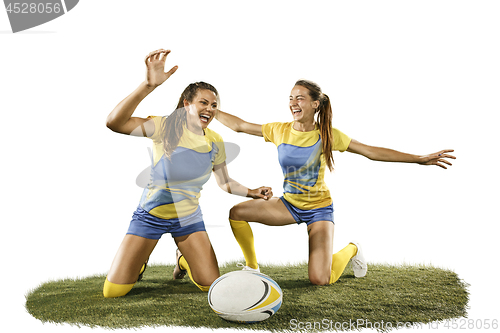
pixel 201 110
pixel 302 105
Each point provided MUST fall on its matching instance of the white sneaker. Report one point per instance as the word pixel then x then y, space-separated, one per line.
pixel 246 268
pixel 359 265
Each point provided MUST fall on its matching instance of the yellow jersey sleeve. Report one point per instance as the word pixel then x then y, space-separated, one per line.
pixel 156 137
pixel 268 131
pixel 340 140
pixel 273 132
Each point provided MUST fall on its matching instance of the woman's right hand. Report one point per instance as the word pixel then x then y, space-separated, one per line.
pixel 155 63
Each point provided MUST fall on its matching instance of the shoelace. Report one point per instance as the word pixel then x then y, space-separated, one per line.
pixel 358 262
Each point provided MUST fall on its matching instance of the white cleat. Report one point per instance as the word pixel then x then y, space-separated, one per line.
pixel 359 265
pixel 246 268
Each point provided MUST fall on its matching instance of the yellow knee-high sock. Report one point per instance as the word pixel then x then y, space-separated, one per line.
pixel 183 264
pixel 244 236
pixel 340 261
pixel 116 290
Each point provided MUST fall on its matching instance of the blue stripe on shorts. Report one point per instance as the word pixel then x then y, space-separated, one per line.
pixel 310 215
pixel 146 225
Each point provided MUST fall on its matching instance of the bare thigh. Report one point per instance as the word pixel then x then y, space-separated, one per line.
pixel 320 251
pixel 198 252
pixel 270 212
pixel 132 253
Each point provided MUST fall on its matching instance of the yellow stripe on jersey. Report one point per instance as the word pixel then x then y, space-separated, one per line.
pixel 303 163
pixel 175 210
pixel 175 183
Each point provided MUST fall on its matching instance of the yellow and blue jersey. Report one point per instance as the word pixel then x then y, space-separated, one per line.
pixel 173 190
pixel 303 164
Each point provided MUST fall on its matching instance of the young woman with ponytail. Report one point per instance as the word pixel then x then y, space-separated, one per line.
pixel 185 152
pixel 305 148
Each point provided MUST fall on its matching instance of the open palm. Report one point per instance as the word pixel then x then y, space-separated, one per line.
pixel 439 158
pixel 155 63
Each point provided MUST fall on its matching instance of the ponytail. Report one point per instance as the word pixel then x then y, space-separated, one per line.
pixel 173 127
pixel 324 118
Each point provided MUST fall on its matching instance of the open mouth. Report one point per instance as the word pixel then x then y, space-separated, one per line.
pixel 297 112
pixel 204 118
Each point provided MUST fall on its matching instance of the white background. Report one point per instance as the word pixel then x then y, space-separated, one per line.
pixel 413 76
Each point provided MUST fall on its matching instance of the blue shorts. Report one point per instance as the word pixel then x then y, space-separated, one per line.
pixel 146 225
pixel 310 215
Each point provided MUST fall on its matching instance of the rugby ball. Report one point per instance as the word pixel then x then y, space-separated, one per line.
pixel 245 297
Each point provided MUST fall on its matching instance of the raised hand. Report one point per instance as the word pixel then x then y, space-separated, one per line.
pixel 155 63
pixel 439 158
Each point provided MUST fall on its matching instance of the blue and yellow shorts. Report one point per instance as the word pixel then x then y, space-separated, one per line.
pixel 148 226
pixel 310 215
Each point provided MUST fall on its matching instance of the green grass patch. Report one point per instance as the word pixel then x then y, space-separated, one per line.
pixel 388 294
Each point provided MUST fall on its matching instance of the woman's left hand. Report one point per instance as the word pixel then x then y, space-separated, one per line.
pixel 437 158
pixel 262 192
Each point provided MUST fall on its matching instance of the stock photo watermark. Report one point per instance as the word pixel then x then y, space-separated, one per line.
pixel 24 15
pixel 358 324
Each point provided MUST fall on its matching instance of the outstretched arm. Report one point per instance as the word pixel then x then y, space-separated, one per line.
pixel 389 155
pixel 238 124
pixel 233 187
pixel 120 119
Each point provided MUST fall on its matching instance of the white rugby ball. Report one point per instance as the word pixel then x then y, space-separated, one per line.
pixel 245 297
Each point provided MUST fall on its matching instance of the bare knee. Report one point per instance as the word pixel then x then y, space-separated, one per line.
pixel 319 275
pixel 235 213
pixel 319 279
pixel 200 257
pixel 206 280
pixel 205 276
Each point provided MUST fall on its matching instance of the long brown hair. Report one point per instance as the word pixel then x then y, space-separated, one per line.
pixel 173 125
pixel 324 118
